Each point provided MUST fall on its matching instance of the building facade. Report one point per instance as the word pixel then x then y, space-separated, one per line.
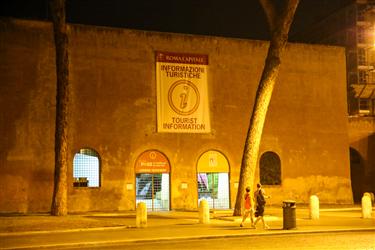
pixel 353 27
pixel 362 157
pixel 162 118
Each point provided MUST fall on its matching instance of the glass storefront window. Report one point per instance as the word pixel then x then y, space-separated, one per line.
pixel 214 187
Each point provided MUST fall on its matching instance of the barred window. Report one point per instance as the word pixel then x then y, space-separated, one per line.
pixel 86 168
pixel 361 56
pixel 362 77
pixel 270 169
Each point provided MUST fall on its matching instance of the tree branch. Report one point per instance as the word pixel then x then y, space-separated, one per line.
pixel 270 11
pixel 286 16
pixel 279 19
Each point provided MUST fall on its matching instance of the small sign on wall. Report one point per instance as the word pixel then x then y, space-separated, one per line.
pixel 129 186
pixel 184 185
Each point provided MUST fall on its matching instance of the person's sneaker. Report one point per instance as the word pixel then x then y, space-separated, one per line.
pixel 253 225
pixel 241 225
pixel 266 227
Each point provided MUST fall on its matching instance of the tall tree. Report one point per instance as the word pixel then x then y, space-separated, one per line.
pixel 59 199
pixel 279 22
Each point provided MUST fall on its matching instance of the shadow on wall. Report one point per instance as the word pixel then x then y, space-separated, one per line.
pixel 357 174
pixel 370 170
pixel 26 111
pixel 16 90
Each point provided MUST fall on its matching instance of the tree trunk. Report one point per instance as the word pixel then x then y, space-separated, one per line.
pixel 59 199
pixel 279 24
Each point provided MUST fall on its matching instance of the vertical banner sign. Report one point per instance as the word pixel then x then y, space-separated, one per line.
pixel 182 97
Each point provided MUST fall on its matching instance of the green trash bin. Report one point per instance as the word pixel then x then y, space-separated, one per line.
pixel 289 214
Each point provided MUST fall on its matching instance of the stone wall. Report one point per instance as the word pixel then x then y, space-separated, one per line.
pixel 113 110
pixel 361 132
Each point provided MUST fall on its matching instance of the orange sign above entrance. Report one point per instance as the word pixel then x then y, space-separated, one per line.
pixel 152 161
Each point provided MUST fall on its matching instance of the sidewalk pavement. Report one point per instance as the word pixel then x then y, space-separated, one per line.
pixel 120 227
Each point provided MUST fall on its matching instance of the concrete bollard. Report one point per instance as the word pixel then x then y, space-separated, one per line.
pixel 366 207
pixel 141 216
pixel 204 212
pixel 314 207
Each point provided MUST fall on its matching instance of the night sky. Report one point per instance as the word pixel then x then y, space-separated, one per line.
pixel 229 18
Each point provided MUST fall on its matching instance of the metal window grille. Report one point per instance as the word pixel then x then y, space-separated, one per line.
pixel 361 57
pixel 362 77
pixel 86 169
pixel 153 190
pixel 214 187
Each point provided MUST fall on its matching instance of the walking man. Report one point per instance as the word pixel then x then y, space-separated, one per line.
pixel 260 198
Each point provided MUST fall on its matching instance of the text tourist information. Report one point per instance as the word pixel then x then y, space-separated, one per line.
pixel 182 97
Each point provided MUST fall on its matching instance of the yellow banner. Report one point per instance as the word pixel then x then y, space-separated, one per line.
pixel 213 162
pixel 182 99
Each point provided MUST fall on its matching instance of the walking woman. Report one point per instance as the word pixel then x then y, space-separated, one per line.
pixel 248 208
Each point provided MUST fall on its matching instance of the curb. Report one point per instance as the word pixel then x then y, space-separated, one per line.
pixel 177 238
pixel 64 230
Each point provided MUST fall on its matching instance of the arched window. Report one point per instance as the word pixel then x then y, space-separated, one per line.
pixel 86 168
pixel 213 179
pixel 270 169
pixel 152 170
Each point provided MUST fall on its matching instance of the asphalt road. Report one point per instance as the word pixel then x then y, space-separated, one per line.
pixel 342 241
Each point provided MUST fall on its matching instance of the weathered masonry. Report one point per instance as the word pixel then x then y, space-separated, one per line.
pixel 137 133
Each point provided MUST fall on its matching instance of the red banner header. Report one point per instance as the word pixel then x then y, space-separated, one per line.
pixel 170 57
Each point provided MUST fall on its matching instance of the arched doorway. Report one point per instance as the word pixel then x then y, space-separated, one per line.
pixel 357 175
pixel 152 170
pixel 213 179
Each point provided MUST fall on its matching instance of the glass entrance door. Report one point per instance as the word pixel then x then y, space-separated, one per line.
pixel 214 187
pixel 153 190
